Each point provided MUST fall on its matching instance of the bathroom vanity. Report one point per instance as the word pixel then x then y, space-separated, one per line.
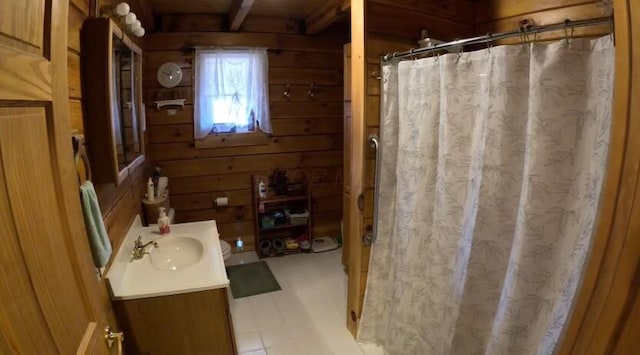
pixel 173 300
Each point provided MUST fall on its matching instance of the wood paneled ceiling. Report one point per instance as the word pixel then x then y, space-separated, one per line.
pixel 298 9
pixel 316 14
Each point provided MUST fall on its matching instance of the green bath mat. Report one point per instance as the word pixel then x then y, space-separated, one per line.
pixel 251 279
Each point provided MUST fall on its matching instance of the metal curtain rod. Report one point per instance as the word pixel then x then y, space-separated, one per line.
pixel 523 32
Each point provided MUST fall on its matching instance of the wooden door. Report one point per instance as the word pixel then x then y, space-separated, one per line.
pixel 51 299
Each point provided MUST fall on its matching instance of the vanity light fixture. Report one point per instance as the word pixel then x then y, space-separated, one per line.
pixel 177 102
pixel 130 18
pixel 122 14
pixel 120 9
pixel 134 26
pixel 139 32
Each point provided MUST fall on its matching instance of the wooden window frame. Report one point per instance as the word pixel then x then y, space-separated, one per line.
pixel 223 140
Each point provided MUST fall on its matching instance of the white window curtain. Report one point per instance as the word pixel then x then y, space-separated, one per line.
pixel 492 167
pixel 231 89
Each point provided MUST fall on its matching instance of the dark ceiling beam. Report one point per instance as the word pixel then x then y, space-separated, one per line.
pixel 238 12
pixel 326 14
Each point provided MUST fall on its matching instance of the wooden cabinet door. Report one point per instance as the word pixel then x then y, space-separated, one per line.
pixel 51 299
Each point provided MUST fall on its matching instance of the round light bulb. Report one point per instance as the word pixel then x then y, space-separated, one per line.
pixel 139 32
pixel 130 18
pixel 121 9
pixel 134 26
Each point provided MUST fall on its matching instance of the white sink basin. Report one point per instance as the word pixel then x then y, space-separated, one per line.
pixel 176 253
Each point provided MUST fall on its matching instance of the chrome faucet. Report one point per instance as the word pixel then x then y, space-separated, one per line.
pixel 139 249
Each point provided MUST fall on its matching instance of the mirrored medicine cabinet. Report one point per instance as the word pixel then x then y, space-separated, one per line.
pixel 112 92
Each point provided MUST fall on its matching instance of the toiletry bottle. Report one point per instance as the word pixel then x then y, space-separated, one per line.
pixel 150 191
pixel 163 221
pixel 262 189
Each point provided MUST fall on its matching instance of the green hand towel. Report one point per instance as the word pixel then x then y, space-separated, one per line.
pixel 98 238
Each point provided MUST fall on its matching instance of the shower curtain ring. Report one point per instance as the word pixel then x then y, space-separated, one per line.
pixel 566 30
pixel 571 35
pixel 411 53
pixel 489 42
pixel 525 35
pixel 612 30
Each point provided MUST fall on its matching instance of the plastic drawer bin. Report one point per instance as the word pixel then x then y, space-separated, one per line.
pixel 298 218
pixel 267 222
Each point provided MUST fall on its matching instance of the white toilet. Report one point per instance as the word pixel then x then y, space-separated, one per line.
pixel 226 250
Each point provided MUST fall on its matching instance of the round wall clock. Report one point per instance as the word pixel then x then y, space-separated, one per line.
pixel 169 75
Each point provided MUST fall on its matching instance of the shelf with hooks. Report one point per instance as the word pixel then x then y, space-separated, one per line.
pixel 162 103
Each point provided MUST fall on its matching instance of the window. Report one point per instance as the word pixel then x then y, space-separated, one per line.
pixel 231 90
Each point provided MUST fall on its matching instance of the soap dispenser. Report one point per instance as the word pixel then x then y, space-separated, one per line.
pixel 163 221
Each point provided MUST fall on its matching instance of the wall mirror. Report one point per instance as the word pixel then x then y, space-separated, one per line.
pixel 112 91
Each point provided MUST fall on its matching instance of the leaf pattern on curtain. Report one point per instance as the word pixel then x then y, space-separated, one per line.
pixel 492 166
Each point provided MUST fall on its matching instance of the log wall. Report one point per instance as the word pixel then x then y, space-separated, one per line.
pixel 307 133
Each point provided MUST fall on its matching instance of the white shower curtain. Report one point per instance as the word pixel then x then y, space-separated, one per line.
pixel 492 166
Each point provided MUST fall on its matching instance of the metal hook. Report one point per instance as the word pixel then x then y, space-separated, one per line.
pixel 287 92
pixel 566 28
pixel 311 94
pixel 489 42
pixel 571 36
pixel 612 30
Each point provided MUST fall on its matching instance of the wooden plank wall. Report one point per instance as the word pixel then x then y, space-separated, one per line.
pixel 78 11
pixel 119 205
pixel 505 15
pixel 307 133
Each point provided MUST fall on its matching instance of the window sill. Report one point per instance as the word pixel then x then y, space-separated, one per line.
pixel 225 140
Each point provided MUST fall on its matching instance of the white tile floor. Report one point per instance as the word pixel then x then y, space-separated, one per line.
pixel 308 316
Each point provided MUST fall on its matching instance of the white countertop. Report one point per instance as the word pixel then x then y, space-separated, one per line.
pixel 140 279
